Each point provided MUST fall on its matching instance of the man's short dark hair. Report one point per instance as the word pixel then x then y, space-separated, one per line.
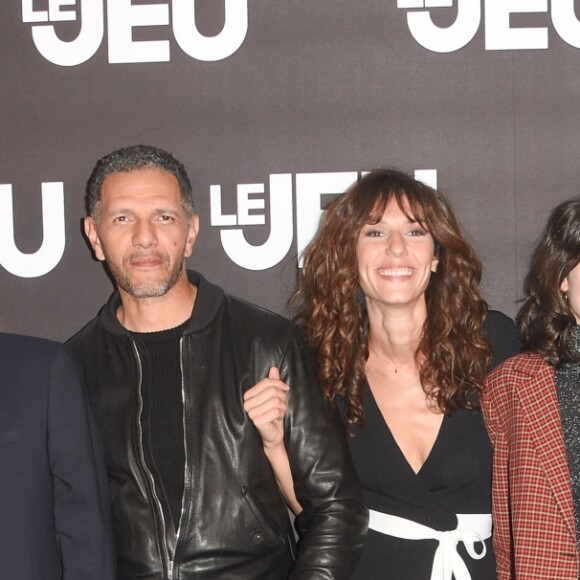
pixel 133 158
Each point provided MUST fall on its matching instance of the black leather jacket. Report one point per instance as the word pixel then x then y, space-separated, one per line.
pixel 234 523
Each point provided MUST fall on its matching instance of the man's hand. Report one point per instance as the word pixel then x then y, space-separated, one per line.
pixel 266 405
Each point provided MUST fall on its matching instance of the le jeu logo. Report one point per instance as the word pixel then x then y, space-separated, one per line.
pixel 309 194
pixel 122 18
pixel 497 17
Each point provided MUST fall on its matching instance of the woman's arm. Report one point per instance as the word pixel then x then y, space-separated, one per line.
pixel 266 405
pixel 502 533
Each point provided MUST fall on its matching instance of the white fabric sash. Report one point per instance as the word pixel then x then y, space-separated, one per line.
pixel 447 563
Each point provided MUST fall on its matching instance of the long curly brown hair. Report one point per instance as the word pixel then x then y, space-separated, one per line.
pixel 545 319
pixel 329 304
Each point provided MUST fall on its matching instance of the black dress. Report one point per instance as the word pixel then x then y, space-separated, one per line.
pixel 455 478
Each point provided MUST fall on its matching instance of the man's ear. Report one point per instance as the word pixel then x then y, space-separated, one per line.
pixel 193 230
pixel 93 237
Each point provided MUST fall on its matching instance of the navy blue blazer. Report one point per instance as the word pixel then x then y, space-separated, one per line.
pixel 54 502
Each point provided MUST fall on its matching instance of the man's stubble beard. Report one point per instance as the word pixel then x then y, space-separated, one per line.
pixel 146 289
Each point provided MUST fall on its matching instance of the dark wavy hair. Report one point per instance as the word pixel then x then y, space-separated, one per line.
pixel 133 158
pixel 545 319
pixel 328 302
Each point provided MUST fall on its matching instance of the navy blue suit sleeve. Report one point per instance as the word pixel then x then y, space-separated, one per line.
pixel 81 495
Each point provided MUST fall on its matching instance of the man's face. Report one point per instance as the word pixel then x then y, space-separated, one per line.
pixel 142 231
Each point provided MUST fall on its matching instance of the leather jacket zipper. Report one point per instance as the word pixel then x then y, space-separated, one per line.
pixel 171 562
pixel 166 554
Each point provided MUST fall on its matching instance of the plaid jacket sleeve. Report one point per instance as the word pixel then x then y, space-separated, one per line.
pixel 494 405
pixel 534 529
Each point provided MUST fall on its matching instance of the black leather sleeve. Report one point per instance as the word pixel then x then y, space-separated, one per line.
pixel 333 525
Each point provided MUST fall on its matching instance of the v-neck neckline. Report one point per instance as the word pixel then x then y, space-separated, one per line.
pixel 403 459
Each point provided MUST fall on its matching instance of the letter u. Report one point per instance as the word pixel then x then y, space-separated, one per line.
pixel 53 242
pixel 210 48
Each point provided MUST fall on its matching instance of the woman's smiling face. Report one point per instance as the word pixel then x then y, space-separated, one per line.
pixel 396 258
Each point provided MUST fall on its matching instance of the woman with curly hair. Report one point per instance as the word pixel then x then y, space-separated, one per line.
pixel 532 410
pixel 389 298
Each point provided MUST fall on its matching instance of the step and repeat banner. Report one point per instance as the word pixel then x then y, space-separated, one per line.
pixel 274 107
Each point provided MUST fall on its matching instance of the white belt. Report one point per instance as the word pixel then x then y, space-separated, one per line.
pixel 447 563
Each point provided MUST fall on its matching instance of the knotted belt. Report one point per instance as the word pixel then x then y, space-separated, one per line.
pixel 471 529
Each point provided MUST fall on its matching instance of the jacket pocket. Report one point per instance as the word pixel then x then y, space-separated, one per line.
pixel 267 532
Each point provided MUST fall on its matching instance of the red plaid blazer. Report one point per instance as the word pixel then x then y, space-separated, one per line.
pixel 534 530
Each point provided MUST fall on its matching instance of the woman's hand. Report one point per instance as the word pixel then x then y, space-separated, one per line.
pixel 266 406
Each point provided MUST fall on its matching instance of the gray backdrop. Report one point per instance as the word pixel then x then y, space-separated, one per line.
pixel 271 105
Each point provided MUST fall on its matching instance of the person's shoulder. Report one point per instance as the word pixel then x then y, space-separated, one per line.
pixel 84 333
pixel 25 344
pixel 517 377
pixel 518 367
pixel 256 313
pixel 213 300
pixel 104 321
pixel 23 353
pixel 255 324
pixel 502 335
pixel 496 320
pixel 83 344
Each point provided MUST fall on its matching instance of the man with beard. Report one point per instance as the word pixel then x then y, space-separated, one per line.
pixel 167 363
